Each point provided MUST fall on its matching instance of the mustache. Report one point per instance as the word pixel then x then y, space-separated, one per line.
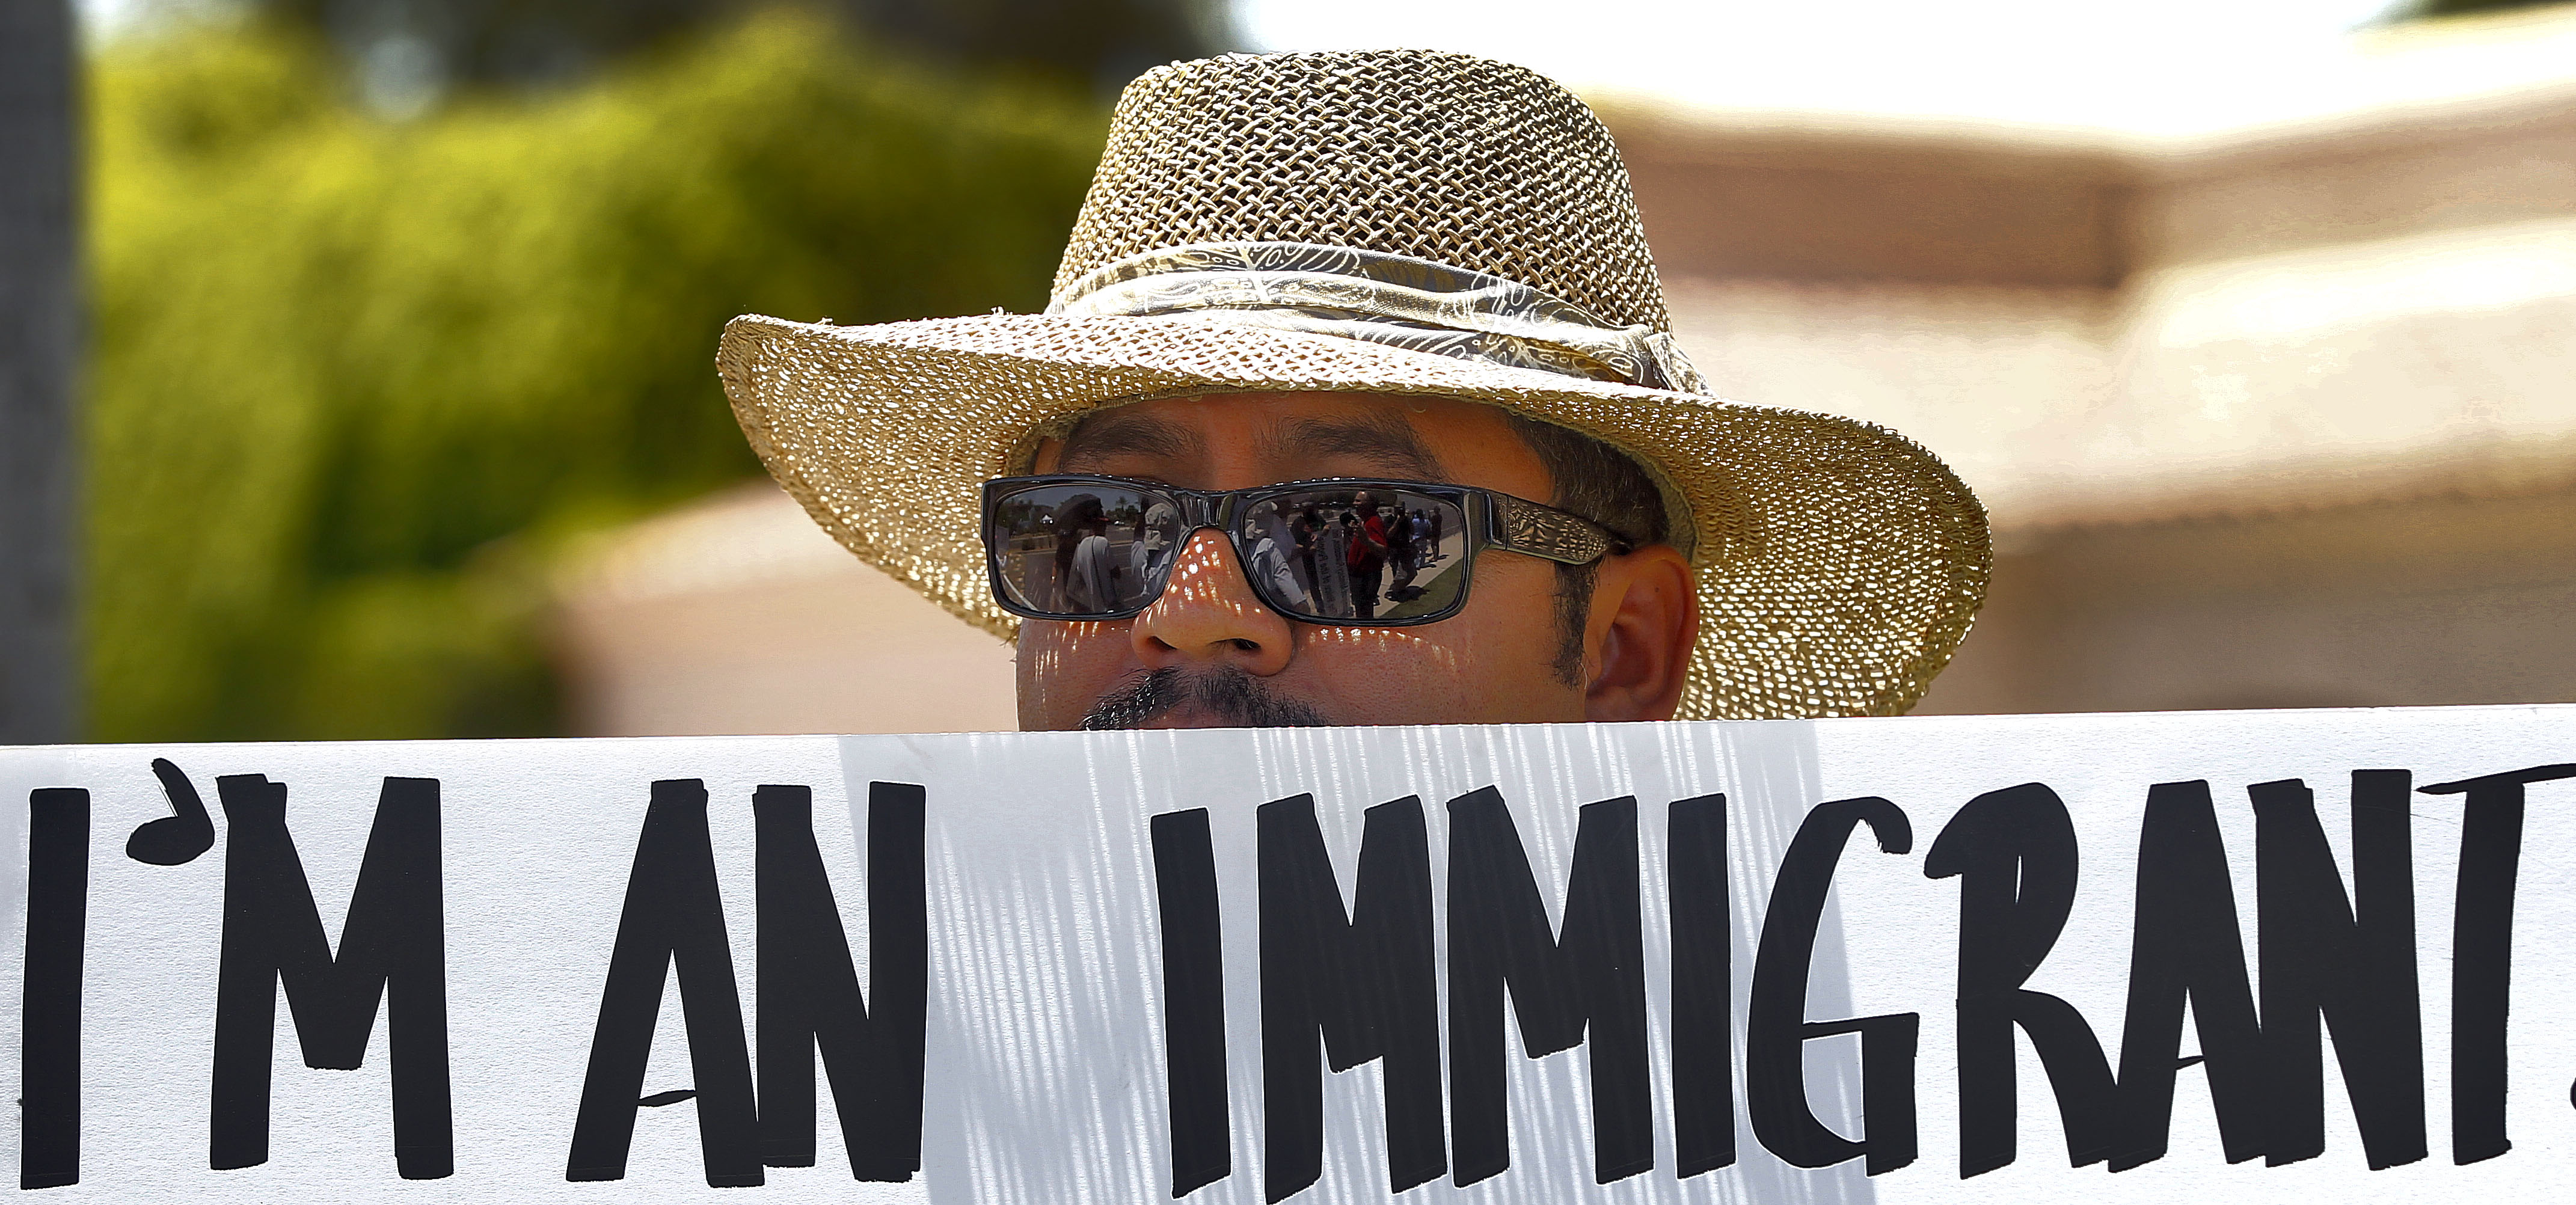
pixel 1228 693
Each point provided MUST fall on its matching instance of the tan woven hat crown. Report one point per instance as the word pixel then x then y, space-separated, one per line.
pixel 1398 222
pixel 1445 157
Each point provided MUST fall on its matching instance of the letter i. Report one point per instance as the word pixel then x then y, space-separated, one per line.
pixel 1193 1000
pixel 49 1059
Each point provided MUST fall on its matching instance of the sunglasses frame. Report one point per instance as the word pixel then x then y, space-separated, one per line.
pixel 1494 520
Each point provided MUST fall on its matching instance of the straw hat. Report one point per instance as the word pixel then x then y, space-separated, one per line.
pixel 1396 222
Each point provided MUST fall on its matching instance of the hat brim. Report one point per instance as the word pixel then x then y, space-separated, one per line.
pixel 1838 563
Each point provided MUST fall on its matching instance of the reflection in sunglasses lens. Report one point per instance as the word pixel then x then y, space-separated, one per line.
pixel 1326 554
pixel 1340 553
pixel 1082 550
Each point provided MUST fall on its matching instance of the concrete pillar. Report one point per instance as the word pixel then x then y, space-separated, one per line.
pixel 39 341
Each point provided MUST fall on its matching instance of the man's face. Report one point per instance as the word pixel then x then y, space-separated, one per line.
pixel 1209 654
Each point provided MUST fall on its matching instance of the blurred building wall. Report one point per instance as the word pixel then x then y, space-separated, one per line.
pixel 2280 418
pixel 739 615
pixel 2284 418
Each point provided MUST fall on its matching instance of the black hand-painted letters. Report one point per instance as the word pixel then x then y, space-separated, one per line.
pixel 1775 1025
pixel 2353 961
pixel 175 839
pixel 49 1038
pixel 809 987
pixel 810 998
pixel 1341 986
pixel 393 947
pixel 1593 977
pixel 1703 992
pixel 673 916
pixel 2187 945
pixel 2482 953
pixel 2014 853
pixel 1360 985
pixel 1193 1000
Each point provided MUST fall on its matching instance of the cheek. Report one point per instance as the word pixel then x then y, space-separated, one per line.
pixel 1383 675
pixel 1510 618
pixel 1510 628
pixel 1064 667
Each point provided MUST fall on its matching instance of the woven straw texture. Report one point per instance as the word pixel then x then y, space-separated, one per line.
pixel 1445 157
pixel 1838 563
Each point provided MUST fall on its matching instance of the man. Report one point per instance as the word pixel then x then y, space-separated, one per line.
pixel 1153 547
pixel 1094 584
pixel 1368 556
pixel 1356 281
pixel 1268 562
pixel 1333 561
pixel 1306 529
pixel 1399 554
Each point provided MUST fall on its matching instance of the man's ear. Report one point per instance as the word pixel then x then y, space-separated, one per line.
pixel 1637 642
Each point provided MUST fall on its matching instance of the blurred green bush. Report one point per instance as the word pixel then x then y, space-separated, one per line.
pixel 355 383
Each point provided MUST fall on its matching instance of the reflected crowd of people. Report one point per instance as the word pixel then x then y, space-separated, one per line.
pixel 1103 561
pixel 1324 555
pixel 1344 558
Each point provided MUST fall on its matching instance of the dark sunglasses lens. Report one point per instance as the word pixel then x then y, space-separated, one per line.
pixel 1356 555
pixel 1081 550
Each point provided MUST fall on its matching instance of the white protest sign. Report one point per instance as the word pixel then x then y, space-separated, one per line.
pixel 2230 956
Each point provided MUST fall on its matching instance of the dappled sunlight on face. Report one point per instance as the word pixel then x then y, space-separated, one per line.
pixel 1065 637
pixel 1411 643
pixel 1206 577
pixel 1051 654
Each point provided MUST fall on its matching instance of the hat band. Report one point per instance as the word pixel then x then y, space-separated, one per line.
pixel 1416 304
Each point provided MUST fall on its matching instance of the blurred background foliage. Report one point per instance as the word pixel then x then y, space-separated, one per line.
pixel 406 52
pixel 357 380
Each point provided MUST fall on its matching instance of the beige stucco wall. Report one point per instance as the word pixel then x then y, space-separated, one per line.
pixel 2429 600
pixel 739 615
pixel 2283 420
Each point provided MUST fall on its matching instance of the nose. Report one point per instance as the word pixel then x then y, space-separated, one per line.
pixel 1208 616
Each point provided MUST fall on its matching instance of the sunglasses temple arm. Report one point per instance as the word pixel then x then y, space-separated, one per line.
pixel 1542 531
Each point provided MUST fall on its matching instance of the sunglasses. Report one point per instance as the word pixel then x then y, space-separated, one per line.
pixel 1347 551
